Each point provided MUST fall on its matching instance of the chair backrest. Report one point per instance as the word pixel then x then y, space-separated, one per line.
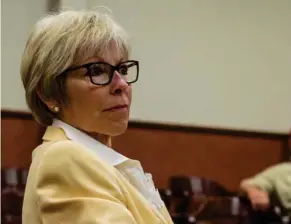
pixel 275 214
pixel 201 197
pixel 13 184
pixel 183 185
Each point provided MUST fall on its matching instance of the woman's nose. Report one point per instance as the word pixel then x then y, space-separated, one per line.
pixel 118 83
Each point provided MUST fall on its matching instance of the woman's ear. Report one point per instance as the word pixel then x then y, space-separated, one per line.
pixel 51 104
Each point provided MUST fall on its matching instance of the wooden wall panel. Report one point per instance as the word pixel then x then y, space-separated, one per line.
pixel 226 159
pixel 226 156
pixel 18 138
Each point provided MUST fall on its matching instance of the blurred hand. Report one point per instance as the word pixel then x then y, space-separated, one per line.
pixel 259 199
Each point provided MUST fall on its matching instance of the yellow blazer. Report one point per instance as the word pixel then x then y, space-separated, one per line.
pixel 70 184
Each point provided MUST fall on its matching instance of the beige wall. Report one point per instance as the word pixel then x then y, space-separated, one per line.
pixel 211 63
pixel 17 19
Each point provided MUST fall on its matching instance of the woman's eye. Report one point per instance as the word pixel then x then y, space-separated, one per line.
pixel 96 70
pixel 123 70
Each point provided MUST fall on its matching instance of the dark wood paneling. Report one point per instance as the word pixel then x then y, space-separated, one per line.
pixel 224 158
pixel 208 130
pixel 12 114
pixel 223 155
pixel 18 138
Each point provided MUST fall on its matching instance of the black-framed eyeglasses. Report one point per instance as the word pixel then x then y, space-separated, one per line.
pixel 102 73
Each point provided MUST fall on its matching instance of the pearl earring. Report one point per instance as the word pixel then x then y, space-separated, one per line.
pixel 56 109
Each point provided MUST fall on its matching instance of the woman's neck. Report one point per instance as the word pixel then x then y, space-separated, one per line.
pixel 104 139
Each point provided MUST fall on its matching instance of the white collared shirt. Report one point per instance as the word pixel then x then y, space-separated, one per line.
pixel 133 172
pixel 103 151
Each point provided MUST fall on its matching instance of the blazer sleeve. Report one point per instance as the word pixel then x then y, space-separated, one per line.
pixel 74 187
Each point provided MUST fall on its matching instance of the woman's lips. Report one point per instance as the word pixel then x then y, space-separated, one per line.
pixel 118 108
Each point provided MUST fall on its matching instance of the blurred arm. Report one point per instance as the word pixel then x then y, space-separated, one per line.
pixel 265 180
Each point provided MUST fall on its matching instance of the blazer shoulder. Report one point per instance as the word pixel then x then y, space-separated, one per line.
pixel 76 168
pixel 67 153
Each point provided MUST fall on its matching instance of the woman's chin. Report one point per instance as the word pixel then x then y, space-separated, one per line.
pixel 117 128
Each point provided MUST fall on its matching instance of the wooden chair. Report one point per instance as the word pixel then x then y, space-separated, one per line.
pixel 11 195
pixel 276 214
pixel 200 198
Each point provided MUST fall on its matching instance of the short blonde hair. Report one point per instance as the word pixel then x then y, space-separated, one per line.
pixel 58 42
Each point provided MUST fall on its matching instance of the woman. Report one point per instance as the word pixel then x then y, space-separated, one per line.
pixel 77 76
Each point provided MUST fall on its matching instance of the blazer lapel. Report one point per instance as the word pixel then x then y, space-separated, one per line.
pixel 134 174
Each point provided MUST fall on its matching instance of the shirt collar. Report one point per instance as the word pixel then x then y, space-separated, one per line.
pixel 104 152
